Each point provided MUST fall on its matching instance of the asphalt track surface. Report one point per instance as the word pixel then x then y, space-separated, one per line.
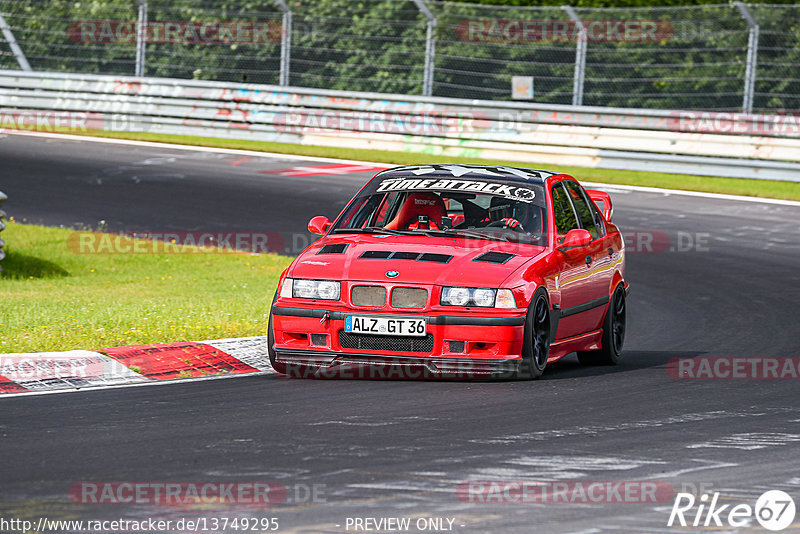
pixel 399 448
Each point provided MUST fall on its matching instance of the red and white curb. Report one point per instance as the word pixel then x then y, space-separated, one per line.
pixel 40 372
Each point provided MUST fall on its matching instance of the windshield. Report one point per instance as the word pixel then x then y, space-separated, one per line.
pixel 476 209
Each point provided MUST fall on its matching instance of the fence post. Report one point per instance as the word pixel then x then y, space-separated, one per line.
pixel 430 47
pixel 12 43
pixel 141 38
pixel 286 42
pixel 752 57
pixel 580 57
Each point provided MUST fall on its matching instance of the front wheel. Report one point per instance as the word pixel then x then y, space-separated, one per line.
pixel 277 366
pixel 536 345
pixel 613 333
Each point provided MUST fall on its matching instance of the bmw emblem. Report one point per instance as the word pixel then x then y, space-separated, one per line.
pixel 392 274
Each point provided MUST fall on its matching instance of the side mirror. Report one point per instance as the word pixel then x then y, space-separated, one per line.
pixel 577 237
pixel 319 225
pixel 603 201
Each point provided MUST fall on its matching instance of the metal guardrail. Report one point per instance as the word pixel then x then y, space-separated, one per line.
pixel 713 144
pixel 2 227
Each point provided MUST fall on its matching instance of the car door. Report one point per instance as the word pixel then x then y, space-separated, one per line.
pixel 581 292
pixel 598 252
pixel 601 248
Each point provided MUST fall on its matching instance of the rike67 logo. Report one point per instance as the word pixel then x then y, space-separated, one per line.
pixel 774 510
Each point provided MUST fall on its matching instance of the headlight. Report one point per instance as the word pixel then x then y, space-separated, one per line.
pixel 328 290
pixel 316 289
pixel 455 296
pixel 484 298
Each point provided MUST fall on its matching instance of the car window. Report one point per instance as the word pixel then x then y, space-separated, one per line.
pixel 388 208
pixel 359 212
pixel 563 213
pixel 508 212
pixel 598 219
pixel 585 215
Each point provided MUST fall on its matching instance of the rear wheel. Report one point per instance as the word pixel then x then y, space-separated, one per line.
pixel 613 333
pixel 536 345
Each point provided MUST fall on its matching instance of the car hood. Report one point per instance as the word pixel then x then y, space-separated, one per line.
pixel 461 269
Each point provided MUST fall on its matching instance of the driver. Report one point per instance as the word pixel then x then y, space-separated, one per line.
pixel 502 213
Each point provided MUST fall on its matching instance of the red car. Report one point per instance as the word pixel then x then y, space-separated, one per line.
pixel 454 271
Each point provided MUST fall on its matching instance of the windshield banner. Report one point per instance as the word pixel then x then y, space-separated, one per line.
pixel 512 192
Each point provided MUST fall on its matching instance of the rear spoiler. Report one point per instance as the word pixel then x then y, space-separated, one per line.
pixel 603 201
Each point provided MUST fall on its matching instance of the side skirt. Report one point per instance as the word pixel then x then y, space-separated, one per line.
pixel 587 341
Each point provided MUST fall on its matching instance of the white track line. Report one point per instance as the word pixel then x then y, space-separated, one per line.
pixel 254 153
pixel 719 196
pixel 235 151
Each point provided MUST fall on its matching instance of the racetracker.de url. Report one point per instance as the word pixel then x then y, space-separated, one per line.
pixel 44 525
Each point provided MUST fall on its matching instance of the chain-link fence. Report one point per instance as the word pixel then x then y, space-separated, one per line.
pixel 724 57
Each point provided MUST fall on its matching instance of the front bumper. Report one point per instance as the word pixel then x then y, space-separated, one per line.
pixel 459 346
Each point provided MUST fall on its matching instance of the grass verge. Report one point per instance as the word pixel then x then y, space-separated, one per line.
pixel 731 186
pixel 56 299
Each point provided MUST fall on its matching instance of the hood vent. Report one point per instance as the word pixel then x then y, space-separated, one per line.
pixel 495 257
pixel 437 258
pixel 334 248
pixel 412 256
pixel 376 254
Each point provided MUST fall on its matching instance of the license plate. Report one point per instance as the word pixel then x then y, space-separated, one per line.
pixel 385 326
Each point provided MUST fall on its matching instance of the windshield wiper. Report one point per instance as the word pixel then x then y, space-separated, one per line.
pixel 438 233
pixel 460 233
pixel 368 230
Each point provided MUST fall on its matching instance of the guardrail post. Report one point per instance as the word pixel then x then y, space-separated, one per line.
pixel 2 226
pixel 286 42
pixel 430 47
pixel 752 57
pixel 141 38
pixel 8 35
pixel 580 57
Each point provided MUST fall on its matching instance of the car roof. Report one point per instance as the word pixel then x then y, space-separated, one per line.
pixel 457 170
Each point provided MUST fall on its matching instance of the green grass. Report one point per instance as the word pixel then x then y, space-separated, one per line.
pixel 55 299
pixel 731 186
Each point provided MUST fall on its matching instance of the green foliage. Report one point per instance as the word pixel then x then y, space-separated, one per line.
pixel 609 3
pixel 698 61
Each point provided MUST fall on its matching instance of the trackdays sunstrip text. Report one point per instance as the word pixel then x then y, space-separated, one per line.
pixel 522 194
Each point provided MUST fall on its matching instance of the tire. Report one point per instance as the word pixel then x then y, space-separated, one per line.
pixel 277 366
pixel 536 344
pixel 613 333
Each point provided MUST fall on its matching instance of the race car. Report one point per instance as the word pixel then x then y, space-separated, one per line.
pixel 454 271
